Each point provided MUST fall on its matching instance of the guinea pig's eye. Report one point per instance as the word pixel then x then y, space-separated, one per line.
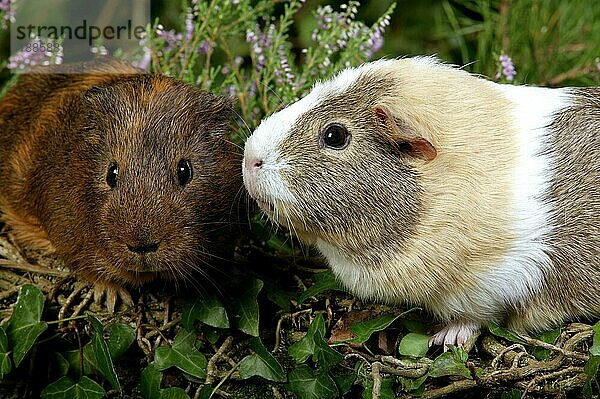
pixel 336 136
pixel 184 172
pixel 112 175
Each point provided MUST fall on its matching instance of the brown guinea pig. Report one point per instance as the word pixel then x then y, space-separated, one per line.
pixel 127 176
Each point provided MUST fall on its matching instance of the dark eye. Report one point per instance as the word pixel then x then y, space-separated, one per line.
pixel 112 175
pixel 184 172
pixel 336 136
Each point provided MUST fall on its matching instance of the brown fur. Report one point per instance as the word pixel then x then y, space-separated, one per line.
pixel 59 135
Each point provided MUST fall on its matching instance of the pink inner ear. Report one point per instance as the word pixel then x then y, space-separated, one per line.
pixel 417 147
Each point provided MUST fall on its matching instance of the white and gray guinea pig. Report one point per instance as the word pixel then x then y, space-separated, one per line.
pixel 423 184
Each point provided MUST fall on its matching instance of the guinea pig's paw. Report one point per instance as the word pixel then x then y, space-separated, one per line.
pixel 456 333
pixel 112 293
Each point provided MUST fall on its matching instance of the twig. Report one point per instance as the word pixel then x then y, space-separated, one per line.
pixel 210 367
pixel 553 348
pixel 69 301
pixel 454 387
pixel 376 392
pixel 286 316
pixel 26 267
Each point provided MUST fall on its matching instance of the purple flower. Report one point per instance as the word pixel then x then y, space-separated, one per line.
pixel 32 54
pixel 508 69
pixel 189 25
pixel 171 38
pixel 205 47
pixel 260 42
pixel 7 12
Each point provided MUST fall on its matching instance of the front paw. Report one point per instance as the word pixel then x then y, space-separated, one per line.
pixel 111 292
pixel 456 333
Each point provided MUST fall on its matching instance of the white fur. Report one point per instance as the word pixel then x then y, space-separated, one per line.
pixel 522 271
pixel 265 140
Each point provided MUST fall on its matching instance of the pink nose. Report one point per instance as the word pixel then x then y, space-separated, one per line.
pixel 253 163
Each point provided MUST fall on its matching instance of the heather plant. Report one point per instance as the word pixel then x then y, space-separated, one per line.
pixel 269 72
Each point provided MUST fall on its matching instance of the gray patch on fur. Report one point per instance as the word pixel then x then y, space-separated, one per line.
pixel 360 225
pixel 574 144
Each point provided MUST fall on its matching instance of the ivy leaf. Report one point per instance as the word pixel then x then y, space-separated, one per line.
pixel 324 281
pixel 548 337
pixel 414 345
pixel 103 362
pixel 504 333
pixel 183 355
pixel 325 355
pixel 246 309
pixel 307 385
pixel 66 388
pixel 447 364
pixel 344 382
pixel 314 344
pixel 24 326
pixel 5 363
pixel 149 385
pixel 386 391
pixel 209 311
pixel 364 329
pixel 305 348
pixel 120 339
pixel 173 393
pixel 593 364
pixel 261 363
pixel 512 394
pixel 595 348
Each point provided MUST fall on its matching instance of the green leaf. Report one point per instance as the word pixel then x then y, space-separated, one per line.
pixel 512 394
pixel 183 355
pixel 504 333
pixel 24 326
pixel 246 309
pixel 364 329
pixel 308 385
pixel 591 370
pixel 548 337
pixel 261 363
pixel 103 362
pixel 447 364
pixel 325 356
pixel 278 244
pixel 173 393
pixel 61 366
pixel 278 296
pixel 120 339
pixel 324 281
pixel 5 363
pixel 413 385
pixel 385 392
pixel 413 344
pixel 89 360
pixel 344 382
pixel 66 388
pixel 305 348
pixel 595 348
pixel 149 385
pixel 209 311
pixel 314 344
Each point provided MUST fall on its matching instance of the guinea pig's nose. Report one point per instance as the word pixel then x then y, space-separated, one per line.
pixel 253 163
pixel 144 248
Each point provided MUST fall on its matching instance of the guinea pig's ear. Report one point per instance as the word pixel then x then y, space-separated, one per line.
pixel 217 109
pixel 408 142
